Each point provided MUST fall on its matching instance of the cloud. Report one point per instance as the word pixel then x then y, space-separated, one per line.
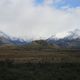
pixel 21 18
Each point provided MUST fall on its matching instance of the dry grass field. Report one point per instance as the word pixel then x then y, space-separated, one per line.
pixel 40 56
pixel 42 64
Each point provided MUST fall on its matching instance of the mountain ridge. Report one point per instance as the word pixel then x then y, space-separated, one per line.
pixel 6 40
pixel 72 40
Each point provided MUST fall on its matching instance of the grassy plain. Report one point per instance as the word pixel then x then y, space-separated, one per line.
pixel 39 64
pixel 40 56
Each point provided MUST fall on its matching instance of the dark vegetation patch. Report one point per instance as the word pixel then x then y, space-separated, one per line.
pixel 38 71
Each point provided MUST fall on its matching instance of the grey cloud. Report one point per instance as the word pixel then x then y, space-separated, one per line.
pixel 21 18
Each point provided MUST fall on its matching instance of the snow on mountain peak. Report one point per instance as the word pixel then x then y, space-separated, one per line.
pixel 2 34
pixel 73 34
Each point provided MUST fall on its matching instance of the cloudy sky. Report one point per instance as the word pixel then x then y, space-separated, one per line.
pixel 39 18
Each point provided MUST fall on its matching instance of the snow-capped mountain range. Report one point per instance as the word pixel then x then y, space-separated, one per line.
pixel 72 39
pixel 6 40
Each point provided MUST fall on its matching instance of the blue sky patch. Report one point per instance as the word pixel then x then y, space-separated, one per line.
pixel 61 3
pixel 69 3
pixel 39 2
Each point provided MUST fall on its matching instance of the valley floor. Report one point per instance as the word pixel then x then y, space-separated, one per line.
pixel 48 64
pixel 40 56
